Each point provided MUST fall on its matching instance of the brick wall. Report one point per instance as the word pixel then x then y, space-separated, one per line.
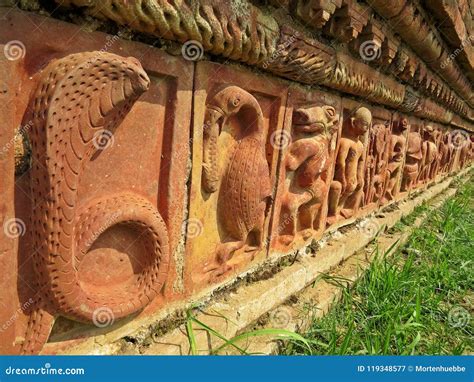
pixel 134 177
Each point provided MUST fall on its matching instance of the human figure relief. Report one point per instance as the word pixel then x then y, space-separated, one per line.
pixel 347 188
pixel 307 165
pixel 77 97
pixel 395 161
pixel 470 156
pixel 245 189
pixel 445 152
pixel 375 163
pixel 429 154
pixel 465 151
pixel 413 161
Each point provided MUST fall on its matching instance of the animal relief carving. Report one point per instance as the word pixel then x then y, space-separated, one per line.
pixel 307 164
pixel 77 99
pixel 244 183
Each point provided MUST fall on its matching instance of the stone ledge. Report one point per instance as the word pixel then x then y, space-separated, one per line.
pixel 232 312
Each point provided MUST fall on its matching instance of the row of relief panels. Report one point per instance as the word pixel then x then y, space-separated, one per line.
pixel 200 171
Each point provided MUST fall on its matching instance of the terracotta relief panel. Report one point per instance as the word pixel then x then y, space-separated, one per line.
pixel 238 118
pixel 376 158
pixel 413 156
pixel 462 148
pixel 104 199
pixel 466 150
pixel 436 173
pixel 446 151
pixel 431 135
pixel 11 229
pixel 312 125
pixel 346 192
pixel 396 149
pixel 470 154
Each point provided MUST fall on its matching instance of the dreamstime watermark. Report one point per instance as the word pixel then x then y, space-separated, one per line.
pixel 192 50
pixel 459 139
pixel 458 317
pixel 457 51
pixel 192 227
pixel 110 220
pixel 47 369
pixel 14 228
pixel 288 219
pixel 281 317
pixel 369 227
pixel 15 315
pixel 281 49
pixel 103 317
pixel 280 139
pixel 370 50
pixel 110 41
pixel 23 130
pixel 14 50
pixel 103 139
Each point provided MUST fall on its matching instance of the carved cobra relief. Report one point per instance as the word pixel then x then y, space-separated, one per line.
pixel 397 147
pixel 244 183
pixel 307 164
pixel 347 188
pixel 77 98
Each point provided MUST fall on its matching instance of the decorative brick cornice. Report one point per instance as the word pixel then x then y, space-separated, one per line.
pixel 449 14
pixel 241 32
pixel 255 36
pixel 407 20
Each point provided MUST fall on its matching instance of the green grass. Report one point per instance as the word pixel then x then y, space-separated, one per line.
pixel 285 335
pixel 406 303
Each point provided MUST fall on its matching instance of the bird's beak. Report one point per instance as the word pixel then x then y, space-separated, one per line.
pixel 212 115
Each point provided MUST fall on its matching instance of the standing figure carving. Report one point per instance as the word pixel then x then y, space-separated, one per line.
pixel 376 163
pixel 445 152
pixel 347 188
pixel 307 164
pixel 395 162
pixel 413 161
pixel 465 151
pixel 245 189
pixel 429 153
